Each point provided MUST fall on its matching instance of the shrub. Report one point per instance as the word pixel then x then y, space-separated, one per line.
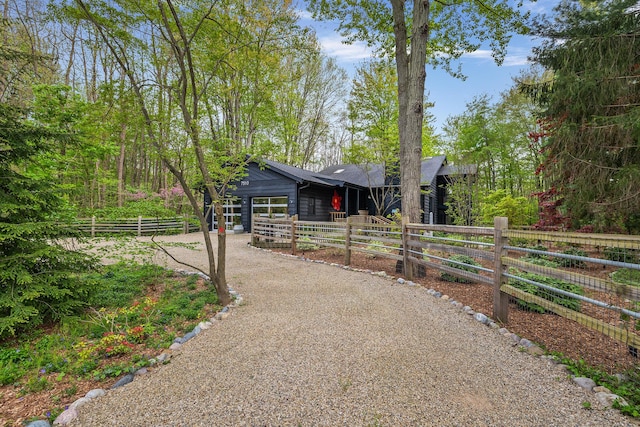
pixel 621 255
pixel 572 263
pixel 556 298
pixel 464 259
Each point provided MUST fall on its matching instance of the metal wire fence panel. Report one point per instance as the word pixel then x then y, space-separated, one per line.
pixel 384 240
pixel 592 279
pixel 271 232
pixel 460 254
pixel 321 233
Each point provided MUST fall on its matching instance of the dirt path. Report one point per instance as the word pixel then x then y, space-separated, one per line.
pixel 317 345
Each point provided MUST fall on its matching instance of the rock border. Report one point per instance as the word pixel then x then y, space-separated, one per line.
pixel 71 412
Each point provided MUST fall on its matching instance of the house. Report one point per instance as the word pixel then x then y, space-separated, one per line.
pixel 275 190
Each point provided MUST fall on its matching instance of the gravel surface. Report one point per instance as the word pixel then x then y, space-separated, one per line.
pixel 317 345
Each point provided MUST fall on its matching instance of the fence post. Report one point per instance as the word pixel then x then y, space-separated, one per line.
pixel 500 299
pixel 185 228
pixel 253 230
pixel 347 242
pixel 93 226
pixel 406 263
pixel 293 234
pixel 139 226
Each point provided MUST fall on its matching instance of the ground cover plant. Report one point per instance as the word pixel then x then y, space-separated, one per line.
pixel 134 312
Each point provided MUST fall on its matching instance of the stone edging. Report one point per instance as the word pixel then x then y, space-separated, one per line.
pixel 71 413
pixel 602 394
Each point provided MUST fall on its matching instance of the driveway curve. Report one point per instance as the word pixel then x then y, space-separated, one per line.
pixel 318 345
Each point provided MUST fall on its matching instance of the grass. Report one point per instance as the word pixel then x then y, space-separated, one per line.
pixel 134 311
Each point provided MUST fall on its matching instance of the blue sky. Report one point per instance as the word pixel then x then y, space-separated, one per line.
pixel 450 95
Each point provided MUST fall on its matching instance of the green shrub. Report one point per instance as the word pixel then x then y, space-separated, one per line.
pixel 460 259
pixel 572 263
pixel 305 244
pixel 559 299
pixel 621 255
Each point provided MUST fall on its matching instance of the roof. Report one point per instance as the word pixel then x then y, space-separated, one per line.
pixel 300 175
pixel 368 175
pixel 372 175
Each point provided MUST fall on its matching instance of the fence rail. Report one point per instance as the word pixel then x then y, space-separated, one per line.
pixel 136 226
pixel 592 279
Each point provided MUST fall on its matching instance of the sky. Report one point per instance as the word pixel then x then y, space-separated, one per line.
pixel 449 94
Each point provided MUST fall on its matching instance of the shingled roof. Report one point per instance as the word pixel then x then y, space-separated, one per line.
pixel 372 175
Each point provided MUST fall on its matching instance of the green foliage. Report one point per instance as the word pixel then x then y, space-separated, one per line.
pixel 626 386
pixel 556 298
pixel 621 255
pixel 145 206
pixel 119 284
pixel 457 261
pixel 590 103
pixel 124 316
pixel 38 275
pixel 627 276
pixel 499 203
pixel 572 263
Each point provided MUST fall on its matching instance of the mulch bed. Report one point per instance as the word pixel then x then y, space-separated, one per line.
pixel 553 333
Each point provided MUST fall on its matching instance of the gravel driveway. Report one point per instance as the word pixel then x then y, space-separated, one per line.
pixel 317 345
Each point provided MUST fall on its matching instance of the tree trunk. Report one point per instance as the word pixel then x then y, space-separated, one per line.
pixel 411 80
pixel 123 135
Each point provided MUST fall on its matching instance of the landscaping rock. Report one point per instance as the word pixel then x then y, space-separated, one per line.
pixel 175 346
pixel 525 343
pixel 481 318
pixel 188 336
pixel 162 358
pixel 607 399
pixel 401 281
pixel 96 392
pixel 66 417
pixel 535 350
pixel 601 389
pixel 222 315
pixel 123 381
pixel 79 402
pixel 39 423
pixel 585 383
pixel 141 371
pixel 204 325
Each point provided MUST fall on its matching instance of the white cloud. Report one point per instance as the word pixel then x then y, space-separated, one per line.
pixel 333 46
pixel 515 58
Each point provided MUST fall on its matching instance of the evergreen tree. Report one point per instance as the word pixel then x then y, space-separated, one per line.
pixel 37 273
pixel 591 111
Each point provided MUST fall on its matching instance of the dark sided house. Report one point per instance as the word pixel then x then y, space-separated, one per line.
pixel 273 189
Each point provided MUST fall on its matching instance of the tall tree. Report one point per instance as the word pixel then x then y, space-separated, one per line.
pixel 200 73
pixel 415 33
pixel 591 106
